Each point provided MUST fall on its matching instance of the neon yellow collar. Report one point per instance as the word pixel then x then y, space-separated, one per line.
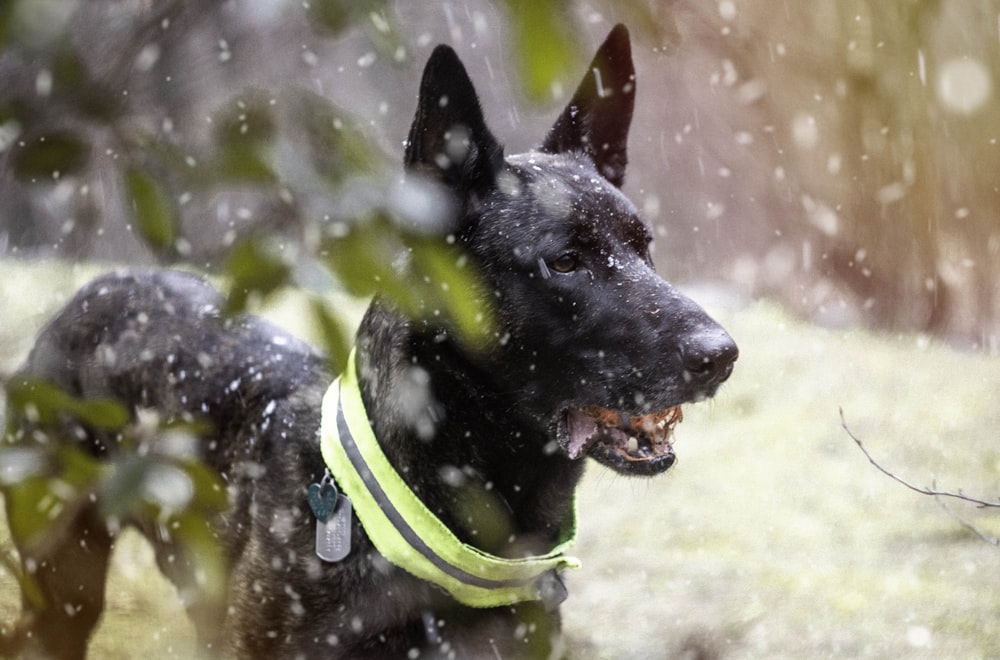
pixel 407 533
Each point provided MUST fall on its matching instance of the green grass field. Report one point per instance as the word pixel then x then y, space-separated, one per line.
pixel 772 537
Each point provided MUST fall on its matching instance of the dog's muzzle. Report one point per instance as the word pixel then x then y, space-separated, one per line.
pixel 642 443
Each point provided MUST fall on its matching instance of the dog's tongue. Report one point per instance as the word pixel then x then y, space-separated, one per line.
pixel 581 429
pixel 637 438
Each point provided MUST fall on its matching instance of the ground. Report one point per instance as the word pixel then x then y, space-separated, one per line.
pixel 772 536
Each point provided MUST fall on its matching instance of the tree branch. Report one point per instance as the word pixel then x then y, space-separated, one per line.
pixel 923 491
pixel 992 540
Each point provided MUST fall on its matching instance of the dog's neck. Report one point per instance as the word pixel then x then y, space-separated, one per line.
pixel 455 437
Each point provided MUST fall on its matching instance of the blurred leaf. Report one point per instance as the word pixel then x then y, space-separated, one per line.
pixel 247 119
pixel 40 506
pixel 183 496
pixel 246 129
pixel 209 489
pixel 424 277
pixel 32 507
pixel 135 483
pixel 29 588
pixel 122 487
pixel 253 268
pixel 362 258
pixel 46 404
pixel 73 83
pixel 339 149
pixel 155 216
pixel 543 43
pixel 46 483
pixel 13 111
pixel 384 33
pixel 453 285
pixel 338 15
pixel 192 531
pixel 6 18
pixel 337 338
pixel 332 15
pixel 374 16
pixel 239 163
pixel 57 152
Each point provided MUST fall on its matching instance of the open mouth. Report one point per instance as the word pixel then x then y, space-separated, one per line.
pixel 641 443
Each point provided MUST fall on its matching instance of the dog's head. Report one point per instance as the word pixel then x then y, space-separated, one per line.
pixel 596 347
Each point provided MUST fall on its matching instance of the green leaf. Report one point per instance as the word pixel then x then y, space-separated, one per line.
pixel 46 484
pixel 337 339
pixel 332 15
pixel 246 130
pixel 337 146
pixel 454 286
pixel 46 404
pixel 6 18
pixel 29 588
pixel 32 508
pixel 374 16
pixel 182 496
pixel 73 83
pixel 209 490
pixel 543 43
pixel 154 213
pixel 199 544
pixel 54 154
pixel 422 275
pixel 39 507
pixel 253 268
pixel 244 165
pixel 335 16
pixel 134 483
pixel 247 119
pixel 363 258
pixel 122 487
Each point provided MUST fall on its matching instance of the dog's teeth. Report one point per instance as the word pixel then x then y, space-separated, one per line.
pixel 632 445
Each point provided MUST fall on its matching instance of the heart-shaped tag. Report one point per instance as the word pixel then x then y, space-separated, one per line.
pixel 322 500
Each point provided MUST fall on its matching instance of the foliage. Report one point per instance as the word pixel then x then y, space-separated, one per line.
pixel 45 483
pixel 332 205
pixel 547 56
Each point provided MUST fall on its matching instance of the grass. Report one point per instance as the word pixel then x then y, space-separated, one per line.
pixel 772 537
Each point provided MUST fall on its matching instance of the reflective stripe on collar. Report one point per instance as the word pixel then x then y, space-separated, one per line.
pixel 406 532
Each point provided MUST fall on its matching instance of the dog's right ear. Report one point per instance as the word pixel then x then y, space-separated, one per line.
pixel 449 142
pixel 598 117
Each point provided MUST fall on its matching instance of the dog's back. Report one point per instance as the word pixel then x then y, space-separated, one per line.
pixel 157 341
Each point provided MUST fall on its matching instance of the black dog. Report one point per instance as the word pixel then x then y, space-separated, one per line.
pixel 593 355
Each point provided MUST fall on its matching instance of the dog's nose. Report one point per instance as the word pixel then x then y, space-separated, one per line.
pixel 709 357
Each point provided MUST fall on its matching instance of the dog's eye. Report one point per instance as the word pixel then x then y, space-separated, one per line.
pixel 564 263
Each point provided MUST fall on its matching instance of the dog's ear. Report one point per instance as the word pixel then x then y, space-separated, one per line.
pixel 597 119
pixel 449 141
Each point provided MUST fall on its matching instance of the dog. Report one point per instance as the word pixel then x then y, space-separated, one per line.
pixel 421 505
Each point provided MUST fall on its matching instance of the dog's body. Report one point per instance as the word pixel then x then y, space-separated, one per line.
pixel 583 325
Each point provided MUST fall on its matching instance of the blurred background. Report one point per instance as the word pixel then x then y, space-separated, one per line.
pixel 812 169
pixel 839 155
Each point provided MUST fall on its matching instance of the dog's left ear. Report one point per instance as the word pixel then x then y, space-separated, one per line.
pixel 449 142
pixel 597 119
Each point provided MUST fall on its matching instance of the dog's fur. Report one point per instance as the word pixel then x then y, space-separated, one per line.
pixel 582 320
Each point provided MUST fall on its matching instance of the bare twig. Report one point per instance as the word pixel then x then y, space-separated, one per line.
pixel 992 540
pixel 923 491
pixel 938 495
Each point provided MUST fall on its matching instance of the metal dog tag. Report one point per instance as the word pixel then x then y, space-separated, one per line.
pixel 333 535
pixel 333 519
